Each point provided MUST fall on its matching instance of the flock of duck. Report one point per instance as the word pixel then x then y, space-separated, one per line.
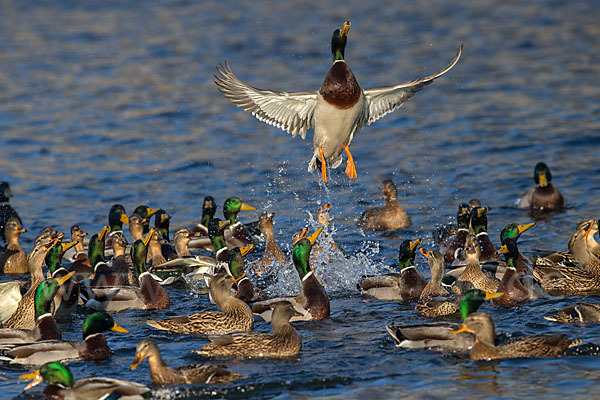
pixel 108 275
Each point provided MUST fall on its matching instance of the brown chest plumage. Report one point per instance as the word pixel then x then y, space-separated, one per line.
pixel 340 87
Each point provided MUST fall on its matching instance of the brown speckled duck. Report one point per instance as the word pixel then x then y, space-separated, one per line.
pixel 283 343
pixel 543 197
pixel 13 260
pixel 272 250
pixel 585 313
pixel 390 217
pixel 163 375
pixel 482 326
pixel 473 277
pixel 337 111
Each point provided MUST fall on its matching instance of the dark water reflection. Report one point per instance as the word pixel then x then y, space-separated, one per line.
pixel 104 102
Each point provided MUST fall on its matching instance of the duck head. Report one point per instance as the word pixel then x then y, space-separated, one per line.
pixel 99 322
pixel 390 192
pixel 145 212
pixel 472 248
pixel 479 220
pixel 208 210
pixel 216 233
pixel 480 325
pixel 97 245
pixel 55 254
pixel 471 301
pixel 542 175
pixel 162 222
pixel 54 373
pixel 146 348
pixel 232 207
pixel 407 253
pixel 301 252
pixel 236 261
pixel 338 41
pixel 139 252
pixel 513 231
pixel 462 216
pixel 45 292
pixel 117 217
pixel 510 251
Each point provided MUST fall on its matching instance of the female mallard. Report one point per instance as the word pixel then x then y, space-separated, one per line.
pixel 13 260
pixel 544 196
pixel 578 313
pixel 458 241
pixel 337 111
pixel 513 231
pixel 390 217
pixel 284 342
pixel 81 262
pixel 121 267
pixel 437 334
pixel 94 346
pixel 482 326
pixel 61 385
pixel 435 300
pixel 405 286
pixel 163 375
pixel 272 250
pixel 236 315
pixel 6 210
pixel 155 250
pixel 136 227
pixel 473 277
pixel 312 302
pixel 479 226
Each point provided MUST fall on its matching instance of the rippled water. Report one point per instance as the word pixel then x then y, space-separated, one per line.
pixel 105 102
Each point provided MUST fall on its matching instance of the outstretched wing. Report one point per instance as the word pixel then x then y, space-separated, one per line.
pixel 292 112
pixel 382 101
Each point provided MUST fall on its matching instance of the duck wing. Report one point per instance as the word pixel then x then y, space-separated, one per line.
pixel 383 100
pixel 292 112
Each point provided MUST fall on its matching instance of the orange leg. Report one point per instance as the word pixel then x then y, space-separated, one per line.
pixel 350 167
pixel 323 165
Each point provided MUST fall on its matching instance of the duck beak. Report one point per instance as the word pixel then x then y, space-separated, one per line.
pixel 246 207
pixel 37 379
pixel 246 250
pixel 489 296
pixel 543 180
pixel 239 278
pixel 313 238
pixel 193 235
pixel 345 29
pixel 165 217
pixel 502 250
pixel 67 246
pixel 148 237
pixel 21 230
pixel 415 244
pixel 104 233
pixel 523 228
pixel 118 328
pixel 297 314
pixel 462 328
pixel 224 224
pixel 50 245
pixel 137 360
pixel 143 221
pixel 482 211
pixel 589 228
pixel 61 281
pixel 151 211
pixel 425 253
pixel 82 234
pixel 124 219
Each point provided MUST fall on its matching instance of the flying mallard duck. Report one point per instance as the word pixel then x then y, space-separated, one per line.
pixel 390 217
pixel 543 197
pixel 482 326
pixel 284 342
pixel 337 111
pixel 163 375
pixel 62 386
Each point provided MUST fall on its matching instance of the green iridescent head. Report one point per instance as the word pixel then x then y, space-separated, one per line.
pixel 53 373
pixel 471 301
pixel 45 292
pixel 301 252
pixel 513 231
pixel 232 207
pixel 139 252
pixel 216 233
pixel 145 212
pixel 96 246
pixel 542 175
pixel 208 210
pixel 338 41
pixel 236 260
pixel 99 322
pixel 55 254
pixel 117 217
pixel 407 253
pixel 479 219
pixel 462 216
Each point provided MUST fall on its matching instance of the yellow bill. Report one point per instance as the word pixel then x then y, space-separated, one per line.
pixel 118 328
pixel 345 29
pixel 246 207
pixel 37 379
pixel 489 296
pixel 148 237
pixel 313 238
pixel 246 250
pixel 415 244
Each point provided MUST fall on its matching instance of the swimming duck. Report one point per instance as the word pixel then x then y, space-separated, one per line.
pixel 284 342
pixel 473 277
pixel 10 293
pixel 148 296
pixel 97 246
pixel 13 260
pixel 337 111
pixel 458 241
pixel 155 250
pixel 136 227
pixel 405 286
pixel 145 212
pixel 161 223
pixel 81 262
pixel 437 334
pixel 585 313
pixel 435 300
pixel 67 296
pixel 62 386
pixel 390 217
pixel 478 217
pixel 513 231
pixel 45 327
pixel 236 233
pixel 163 375
pixel 272 250
pixel 544 196
pixel 121 265
pixel 6 210
pixel 312 302
pixel 235 315
pixel 246 290
pixel 93 347
pixel 482 326
pixel 209 209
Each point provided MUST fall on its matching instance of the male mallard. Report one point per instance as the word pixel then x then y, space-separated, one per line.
pixel 478 223
pixel 405 286
pixel 236 315
pixel 45 327
pixel 458 241
pixel 94 346
pixel 145 212
pixel 13 260
pixel 284 342
pixel 272 250
pixel 236 233
pixel 163 375
pixel 62 387
pixel 161 223
pixel 117 216
pixel 513 231
pixel 209 209
pixel 246 290
pixel 390 217
pixel 473 277
pixel 97 246
pixel 6 210
pixel 437 334
pixel 482 326
pixel 544 196
pixel 68 294
pixel 312 302
pixel 337 111
pixel 578 313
